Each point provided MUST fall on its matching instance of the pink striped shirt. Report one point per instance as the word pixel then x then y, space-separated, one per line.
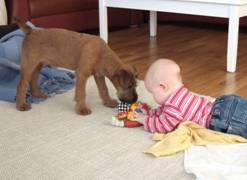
pixel 180 106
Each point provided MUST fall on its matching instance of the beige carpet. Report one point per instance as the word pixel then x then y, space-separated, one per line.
pixel 52 142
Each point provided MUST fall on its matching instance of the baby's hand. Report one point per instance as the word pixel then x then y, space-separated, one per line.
pixel 144 108
pixel 140 117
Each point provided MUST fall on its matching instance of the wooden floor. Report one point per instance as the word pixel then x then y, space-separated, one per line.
pixel 201 53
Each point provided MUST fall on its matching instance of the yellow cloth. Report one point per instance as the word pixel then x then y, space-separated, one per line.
pixel 186 134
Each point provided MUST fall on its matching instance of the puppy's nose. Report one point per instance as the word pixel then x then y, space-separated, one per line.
pixel 135 98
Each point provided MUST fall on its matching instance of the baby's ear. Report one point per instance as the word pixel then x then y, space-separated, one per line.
pixel 164 86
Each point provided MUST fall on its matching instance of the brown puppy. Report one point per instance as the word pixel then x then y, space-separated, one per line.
pixel 86 54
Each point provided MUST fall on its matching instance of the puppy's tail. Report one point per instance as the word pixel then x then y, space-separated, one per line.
pixel 25 28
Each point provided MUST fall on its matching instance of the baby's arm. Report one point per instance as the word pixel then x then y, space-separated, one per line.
pixel 159 120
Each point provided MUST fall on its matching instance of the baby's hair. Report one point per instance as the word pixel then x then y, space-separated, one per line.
pixel 164 70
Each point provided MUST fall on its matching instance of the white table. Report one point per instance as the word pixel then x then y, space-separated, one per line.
pixel 232 9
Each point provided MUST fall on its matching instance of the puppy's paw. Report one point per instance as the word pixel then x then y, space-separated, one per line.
pixel 84 111
pixel 111 103
pixel 23 107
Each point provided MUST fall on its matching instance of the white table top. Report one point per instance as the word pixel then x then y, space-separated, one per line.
pixel 236 2
pixel 233 2
pixel 231 9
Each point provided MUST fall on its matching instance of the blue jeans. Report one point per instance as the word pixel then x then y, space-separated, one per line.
pixel 229 115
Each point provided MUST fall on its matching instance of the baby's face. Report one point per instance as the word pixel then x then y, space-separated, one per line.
pixel 161 79
pixel 159 95
pixel 158 92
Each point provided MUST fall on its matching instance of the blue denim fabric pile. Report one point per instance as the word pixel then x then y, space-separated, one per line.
pixel 51 81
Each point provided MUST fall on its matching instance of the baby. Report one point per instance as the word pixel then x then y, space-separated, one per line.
pixel 227 113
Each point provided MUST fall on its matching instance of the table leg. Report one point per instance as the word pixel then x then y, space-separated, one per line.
pixel 103 24
pixel 232 44
pixel 153 23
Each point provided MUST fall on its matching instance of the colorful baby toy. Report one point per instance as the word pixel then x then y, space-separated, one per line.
pixel 125 116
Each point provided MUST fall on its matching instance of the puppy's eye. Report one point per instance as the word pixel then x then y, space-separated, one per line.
pixel 129 87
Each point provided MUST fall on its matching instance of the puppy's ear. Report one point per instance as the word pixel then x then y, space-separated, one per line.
pixel 126 78
pixel 135 72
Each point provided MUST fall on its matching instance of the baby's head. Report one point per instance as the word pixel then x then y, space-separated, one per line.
pixel 162 78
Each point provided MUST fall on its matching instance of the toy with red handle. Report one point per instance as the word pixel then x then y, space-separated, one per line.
pixel 125 123
pixel 125 116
